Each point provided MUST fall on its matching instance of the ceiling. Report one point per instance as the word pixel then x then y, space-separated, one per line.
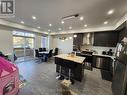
pixel 51 11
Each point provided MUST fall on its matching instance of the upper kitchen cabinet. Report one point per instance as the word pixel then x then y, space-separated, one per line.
pixel 106 38
pixel 77 41
pixel 122 29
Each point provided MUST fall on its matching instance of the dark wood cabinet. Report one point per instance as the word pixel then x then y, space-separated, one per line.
pixel 122 34
pixel 122 29
pixel 106 38
pixel 102 62
pixel 105 65
pixel 78 41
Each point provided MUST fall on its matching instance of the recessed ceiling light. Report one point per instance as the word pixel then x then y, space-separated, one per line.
pixel 49 30
pixel 70 37
pixel 22 22
pixel 75 36
pixel 81 18
pixel 110 12
pixel 59 29
pixel 85 25
pixel 50 25
pixel 39 27
pixel 106 22
pixel 62 22
pixel 34 17
pixel 70 27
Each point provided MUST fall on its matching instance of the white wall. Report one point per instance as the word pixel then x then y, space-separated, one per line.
pixel 64 47
pixel 6 41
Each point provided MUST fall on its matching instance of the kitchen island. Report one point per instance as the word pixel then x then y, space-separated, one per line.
pixel 75 64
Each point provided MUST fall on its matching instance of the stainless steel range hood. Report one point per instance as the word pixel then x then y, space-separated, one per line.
pixel 88 38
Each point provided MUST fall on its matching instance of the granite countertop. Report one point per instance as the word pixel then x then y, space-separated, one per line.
pixel 104 55
pixel 96 54
pixel 77 59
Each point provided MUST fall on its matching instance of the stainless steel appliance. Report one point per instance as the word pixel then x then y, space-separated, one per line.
pixel 119 83
pixel 120 75
pixel 88 38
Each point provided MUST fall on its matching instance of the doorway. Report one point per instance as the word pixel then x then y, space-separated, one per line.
pixel 23 46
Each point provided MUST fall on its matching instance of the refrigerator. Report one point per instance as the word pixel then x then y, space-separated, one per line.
pixel 119 82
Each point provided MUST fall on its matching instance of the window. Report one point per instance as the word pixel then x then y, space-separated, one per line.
pixel 44 42
pixel 18 42
pixel 18 33
pixel 25 34
pixel 29 43
pixel 23 40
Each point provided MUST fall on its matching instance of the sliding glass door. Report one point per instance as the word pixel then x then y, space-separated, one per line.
pixel 23 47
pixel 29 46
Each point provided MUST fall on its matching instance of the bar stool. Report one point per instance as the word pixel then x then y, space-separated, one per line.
pixel 70 65
pixel 59 63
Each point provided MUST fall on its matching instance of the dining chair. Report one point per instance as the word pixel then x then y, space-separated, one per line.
pixel 39 56
pixel 43 49
pixel 56 51
pixel 49 55
pixel 40 49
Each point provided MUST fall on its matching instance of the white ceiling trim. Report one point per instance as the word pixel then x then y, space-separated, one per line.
pixel 108 28
pixel 122 20
pixel 20 26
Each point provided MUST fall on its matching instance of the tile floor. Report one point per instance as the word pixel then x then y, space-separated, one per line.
pixel 41 80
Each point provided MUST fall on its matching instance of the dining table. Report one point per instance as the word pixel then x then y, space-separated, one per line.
pixel 44 54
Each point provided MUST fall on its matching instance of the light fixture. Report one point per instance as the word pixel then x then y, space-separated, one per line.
pixel 70 37
pixel 49 30
pixel 81 18
pixel 62 22
pixel 70 27
pixel 22 22
pixel 106 22
pixel 75 36
pixel 59 29
pixel 34 17
pixel 50 25
pixel 110 12
pixel 85 25
pixel 70 17
pixel 63 38
pixel 39 27
pixel 66 39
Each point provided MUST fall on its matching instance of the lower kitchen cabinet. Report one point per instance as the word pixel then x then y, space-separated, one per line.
pixel 106 75
pixel 102 62
pixel 105 65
